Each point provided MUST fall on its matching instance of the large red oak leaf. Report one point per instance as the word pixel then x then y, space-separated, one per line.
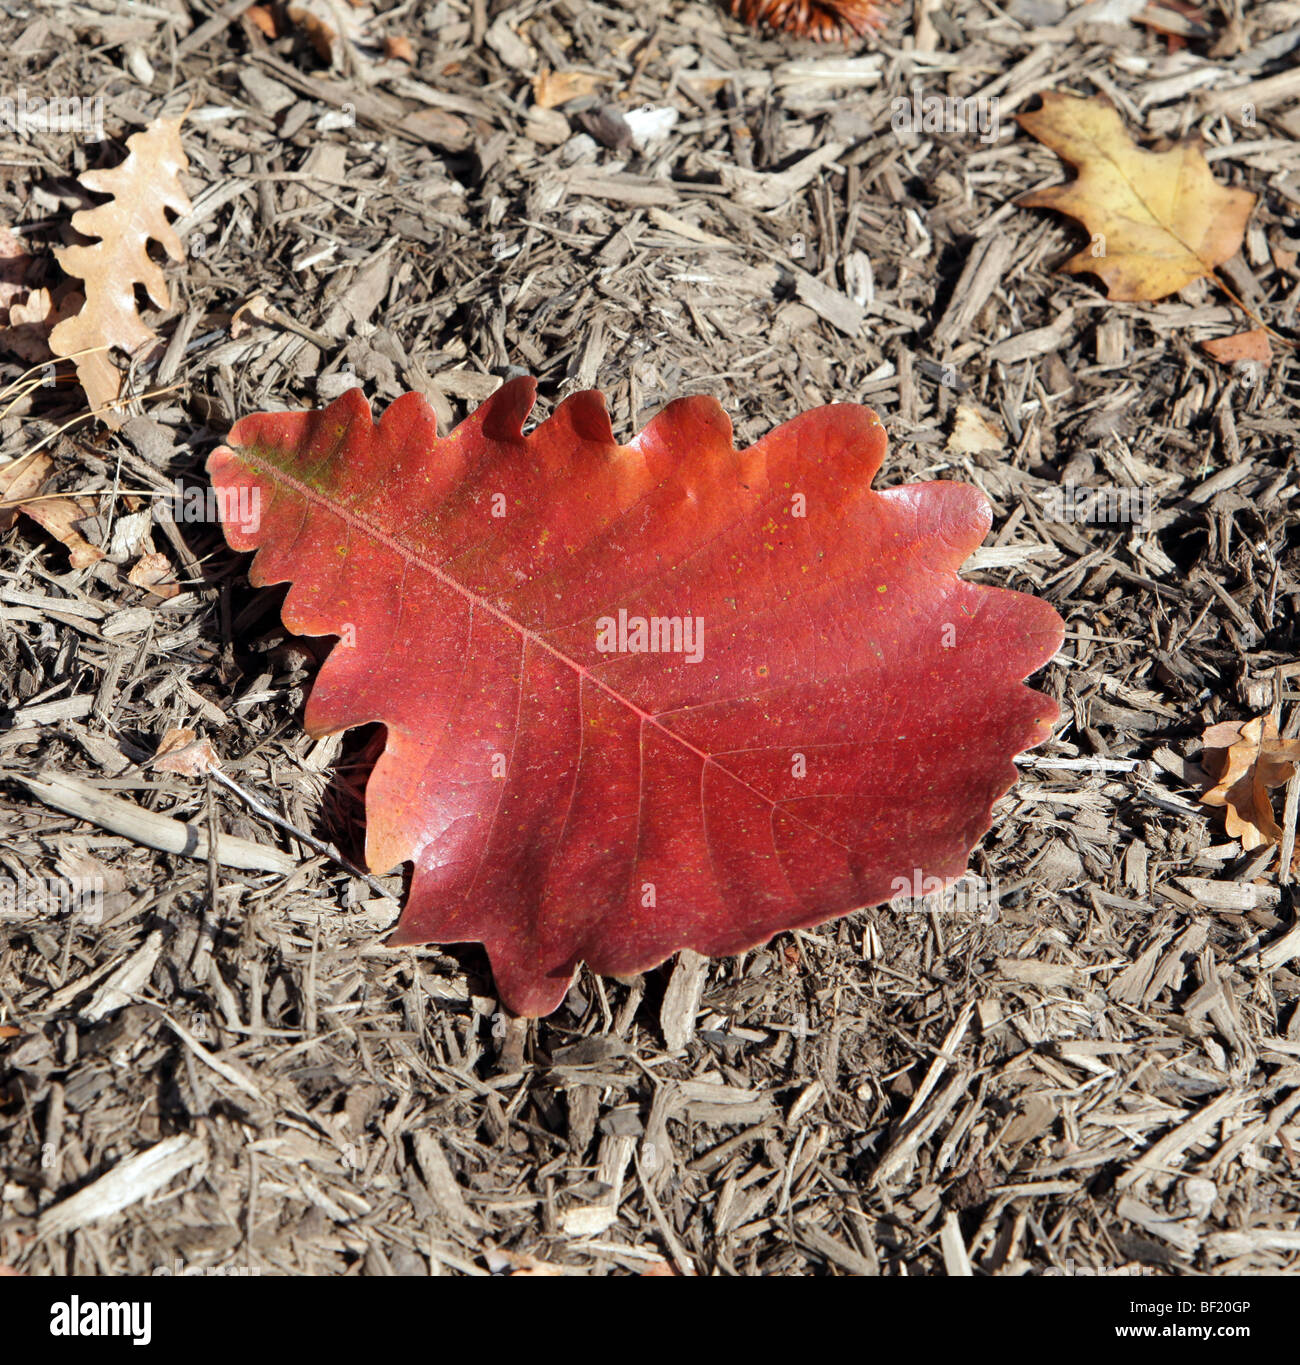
pixel 829 707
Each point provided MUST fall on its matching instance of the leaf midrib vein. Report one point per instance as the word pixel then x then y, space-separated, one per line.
pixel 399 546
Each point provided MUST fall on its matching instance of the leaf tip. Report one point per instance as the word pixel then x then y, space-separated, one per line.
pixel 501 416
pixel 587 417
pixel 695 421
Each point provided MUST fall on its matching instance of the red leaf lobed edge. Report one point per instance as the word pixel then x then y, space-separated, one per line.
pixel 561 803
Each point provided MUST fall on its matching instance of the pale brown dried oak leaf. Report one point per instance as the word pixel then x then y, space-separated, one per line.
pixel 143 188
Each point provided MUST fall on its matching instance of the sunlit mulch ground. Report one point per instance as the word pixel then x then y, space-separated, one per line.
pixel 1092 1067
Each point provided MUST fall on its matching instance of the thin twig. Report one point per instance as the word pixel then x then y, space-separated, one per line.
pixel 310 840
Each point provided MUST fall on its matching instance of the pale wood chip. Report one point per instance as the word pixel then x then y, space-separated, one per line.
pixel 127 1183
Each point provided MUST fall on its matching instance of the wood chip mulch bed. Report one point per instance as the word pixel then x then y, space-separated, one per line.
pixel 1092 1068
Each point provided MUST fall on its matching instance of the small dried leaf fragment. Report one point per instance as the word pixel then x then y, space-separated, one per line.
pixel 975 432
pixel 27 335
pixel 551 89
pixel 263 18
pixel 20 481
pixel 21 478
pixel 257 307
pixel 15 263
pixel 322 21
pixel 154 572
pixel 60 517
pixel 1159 220
pixel 1246 758
pixel 1252 345
pixel 1177 20
pixel 143 188
pixel 397 48
pixel 24 311
pixel 516 1263
pixel 182 751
